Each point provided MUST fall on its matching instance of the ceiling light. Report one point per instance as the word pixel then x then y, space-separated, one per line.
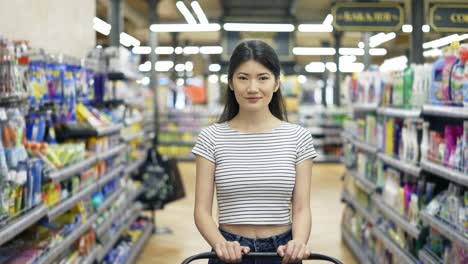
pixel 432 53
pixel 380 38
pixel 141 50
pixel 163 65
pixel 315 28
pixel 164 50
pixel 313 51
pixel 378 52
pixel 444 41
pixel 301 79
pixel 180 67
pixel 214 67
pixel 185 27
pixel 99 46
pixel 351 67
pixel 101 26
pixel 347 59
pixel 258 27
pixel 191 50
pixel 179 50
pixel 180 82
pixel 213 78
pixel 361 45
pixel 189 66
pixel 224 78
pixel 331 66
pixel 211 50
pixel 315 67
pixel 351 51
pixel 145 80
pixel 199 12
pixel 185 12
pixel 394 64
pixel 328 20
pixel 145 67
pixel 426 28
pixel 127 40
pixel 407 28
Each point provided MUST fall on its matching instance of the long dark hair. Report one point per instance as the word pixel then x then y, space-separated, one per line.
pixel 264 54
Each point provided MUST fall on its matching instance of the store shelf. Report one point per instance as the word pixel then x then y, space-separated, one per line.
pixel 116 235
pixel 111 152
pixel 107 224
pixel 393 247
pixel 444 229
pixel 364 146
pixel 132 121
pixel 72 170
pixel 138 246
pixel 355 248
pixel 137 193
pixel 123 76
pixel 356 205
pixel 110 175
pixel 364 107
pixel 412 230
pixel 135 165
pixel 399 164
pixel 399 112
pixel 330 141
pixel 327 158
pixel 365 184
pixel 51 255
pixel 428 257
pixel 444 172
pixel 70 202
pixel 109 130
pixel 446 111
pixel 133 136
pixel 12 229
pixel 109 201
pixel 178 143
pixel 92 255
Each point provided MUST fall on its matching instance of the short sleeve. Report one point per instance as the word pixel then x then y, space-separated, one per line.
pixel 205 145
pixel 305 146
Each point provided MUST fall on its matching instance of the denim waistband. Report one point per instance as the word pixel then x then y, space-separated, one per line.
pixel 275 240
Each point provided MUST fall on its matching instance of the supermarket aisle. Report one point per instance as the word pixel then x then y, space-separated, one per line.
pixel 185 241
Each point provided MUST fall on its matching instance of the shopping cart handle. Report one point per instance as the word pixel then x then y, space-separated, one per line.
pixel 212 255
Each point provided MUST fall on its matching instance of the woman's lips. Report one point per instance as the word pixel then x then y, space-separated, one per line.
pixel 253 99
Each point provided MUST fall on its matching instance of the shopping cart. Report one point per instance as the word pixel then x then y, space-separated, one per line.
pixel 271 255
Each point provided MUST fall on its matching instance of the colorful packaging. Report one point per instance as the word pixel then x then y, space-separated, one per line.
pixel 464 60
pixel 408 85
pixel 465 147
pixel 437 77
pixel 449 61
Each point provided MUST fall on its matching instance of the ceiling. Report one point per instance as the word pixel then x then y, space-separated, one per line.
pixel 219 11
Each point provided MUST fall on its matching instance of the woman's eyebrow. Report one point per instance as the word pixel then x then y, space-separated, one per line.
pixel 263 73
pixel 243 73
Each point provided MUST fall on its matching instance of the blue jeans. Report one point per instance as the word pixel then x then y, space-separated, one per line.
pixel 269 244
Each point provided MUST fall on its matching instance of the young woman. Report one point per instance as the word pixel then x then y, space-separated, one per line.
pixel 260 164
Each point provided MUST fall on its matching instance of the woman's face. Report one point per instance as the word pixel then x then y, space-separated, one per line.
pixel 253 85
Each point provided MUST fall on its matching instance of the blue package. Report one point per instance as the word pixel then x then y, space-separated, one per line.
pixel 37 187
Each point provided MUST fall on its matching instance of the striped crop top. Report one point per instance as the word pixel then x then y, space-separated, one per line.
pixel 255 172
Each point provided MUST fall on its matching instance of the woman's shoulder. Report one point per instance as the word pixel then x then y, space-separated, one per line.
pixel 294 127
pixel 215 128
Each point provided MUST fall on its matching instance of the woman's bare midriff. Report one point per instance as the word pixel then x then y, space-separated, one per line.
pixel 255 231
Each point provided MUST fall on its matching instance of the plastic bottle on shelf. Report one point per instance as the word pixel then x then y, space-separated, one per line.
pixel 408 85
pixel 449 61
pixel 436 95
pixel 457 77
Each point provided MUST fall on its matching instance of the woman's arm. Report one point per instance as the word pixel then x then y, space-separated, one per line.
pixel 296 249
pixel 204 202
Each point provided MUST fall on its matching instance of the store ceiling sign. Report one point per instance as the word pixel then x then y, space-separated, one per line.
pixel 449 17
pixel 371 16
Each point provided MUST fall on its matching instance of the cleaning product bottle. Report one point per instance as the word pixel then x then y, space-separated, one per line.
pixel 464 58
pixel 408 85
pixel 457 79
pixel 425 141
pixel 449 61
pixel 465 147
pixel 437 77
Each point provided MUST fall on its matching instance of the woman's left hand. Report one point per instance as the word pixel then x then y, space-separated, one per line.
pixel 293 252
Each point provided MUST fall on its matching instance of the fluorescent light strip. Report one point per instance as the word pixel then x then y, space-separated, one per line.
pixel 163 66
pixel 444 41
pixel 315 67
pixel 186 13
pixel 378 52
pixel 432 53
pixel 258 27
pixel 179 50
pixel 315 28
pixel 313 51
pixel 394 64
pixel 199 12
pixel 189 66
pixel 361 45
pixel 211 50
pixel 185 27
pixel 380 38
pixel 127 40
pixel 145 67
pixel 347 59
pixel 328 20
pixel 351 51
pixel 331 66
pixel 352 67
pixel 180 67
pixel 101 26
pixel 164 50
pixel 407 28
pixel 141 50
pixel 214 67
pixel 426 28
pixel 191 50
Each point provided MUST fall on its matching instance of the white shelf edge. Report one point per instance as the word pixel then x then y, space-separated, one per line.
pixel 412 230
pixel 367 186
pixel 111 152
pixel 109 176
pixel 446 173
pixel 399 112
pixel 446 111
pixel 110 200
pixel 354 247
pixel 444 229
pixel 427 258
pixel 401 165
pixel 139 244
pixel 351 200
pixel 70 202
pixel 11 230
pixel 393 247
pixel 73 169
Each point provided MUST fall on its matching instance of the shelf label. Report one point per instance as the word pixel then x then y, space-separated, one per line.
pixel 385 16
pixel 449 17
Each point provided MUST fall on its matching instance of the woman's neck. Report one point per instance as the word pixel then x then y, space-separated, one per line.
pixel 255 121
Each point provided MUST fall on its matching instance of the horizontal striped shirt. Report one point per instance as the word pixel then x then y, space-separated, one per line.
pixel 255 172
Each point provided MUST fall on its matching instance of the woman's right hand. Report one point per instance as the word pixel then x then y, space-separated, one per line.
pixel 230 251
